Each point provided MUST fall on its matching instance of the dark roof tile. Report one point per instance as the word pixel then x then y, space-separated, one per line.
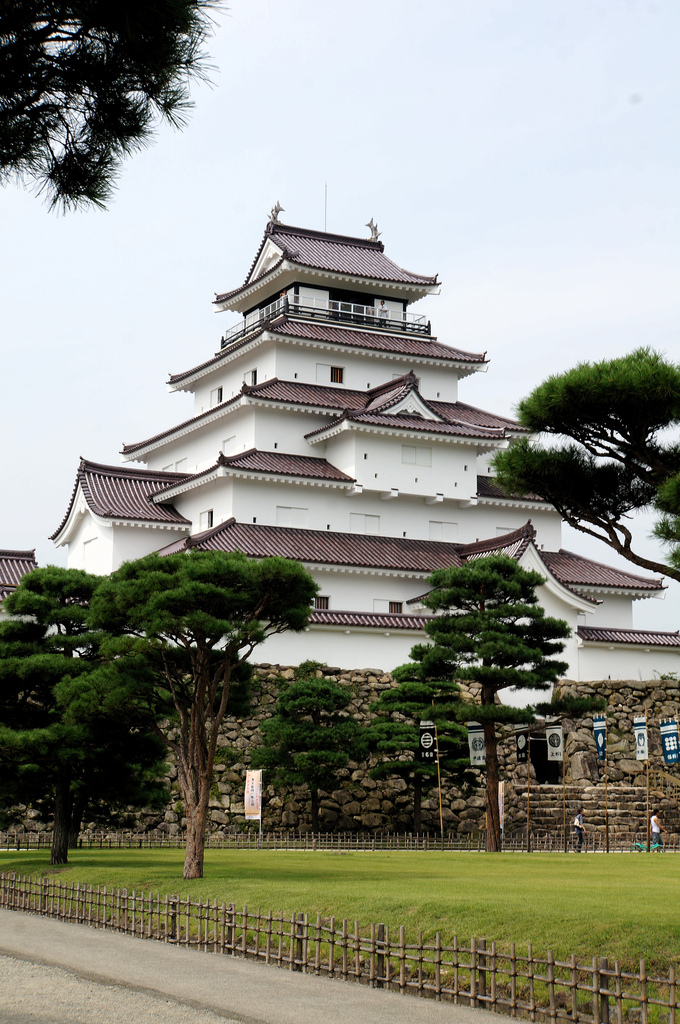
pixel 376 620
pixel 340 254
pixel 323 547
pixel 573 569
pixel 644 637
pixel 14 565
pixel 113 492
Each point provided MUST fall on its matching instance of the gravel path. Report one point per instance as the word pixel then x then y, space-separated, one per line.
pixel 37 994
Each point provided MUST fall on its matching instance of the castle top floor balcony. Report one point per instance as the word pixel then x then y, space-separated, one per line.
pixel 373 317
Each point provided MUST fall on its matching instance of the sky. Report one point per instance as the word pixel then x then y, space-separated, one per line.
pixel 527 152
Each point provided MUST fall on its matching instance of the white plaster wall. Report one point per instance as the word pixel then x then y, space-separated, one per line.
pixel 202 446
pixel 216 495
pixel 357 591
pixel 379 465
pixel 362 371
pixel 623 663
pixel 484 520
pixel 91 547
pixel 229 376
pixel 131 542
pixel 615 610
pixel 350 649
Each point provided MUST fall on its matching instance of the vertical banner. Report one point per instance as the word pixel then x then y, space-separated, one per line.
pixel 427 746
pixel 253 794
pixel 555 740
pixel 600 733
pixel 641 745
pixel 501 803
pixel 669 740
pixel 476 743
pixel 521 744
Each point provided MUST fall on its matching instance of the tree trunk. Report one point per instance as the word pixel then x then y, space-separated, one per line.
pixel 417 803
pixel 197 823
pixel 315 809
pixel 493 820
pixel 77 811
pixel 62 820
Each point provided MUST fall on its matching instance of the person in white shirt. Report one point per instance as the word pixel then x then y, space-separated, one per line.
pixel 657 829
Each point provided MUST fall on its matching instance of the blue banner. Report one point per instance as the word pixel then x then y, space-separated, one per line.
pixel 600 733
pixel 669 740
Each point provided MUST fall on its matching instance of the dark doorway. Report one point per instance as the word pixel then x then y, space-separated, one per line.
pixel 547 772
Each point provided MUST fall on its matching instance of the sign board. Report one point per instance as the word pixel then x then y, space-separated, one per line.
pixel 476 743
pixel 253 794
pixel 600 733
pixel 669 740
pixel 427 743
pixel 641 744
pixel 555 741
pixel 521 745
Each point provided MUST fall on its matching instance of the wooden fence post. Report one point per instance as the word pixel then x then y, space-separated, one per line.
pixel 380 959
pixel 604 985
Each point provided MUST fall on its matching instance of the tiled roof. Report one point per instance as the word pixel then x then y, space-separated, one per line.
pixel 323 547
pixel 488 488
pixel 399 344
pixel 113 492
pixel 128 449
pixel 318 396
pixel 645 637
pixel 573 569
pixel 410 423
pixel 378 620
pixel 513 544
pixel 340 254
pixel 279 463
pixel 14 565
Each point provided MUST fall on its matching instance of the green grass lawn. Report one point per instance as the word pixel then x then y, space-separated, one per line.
pixel 621 906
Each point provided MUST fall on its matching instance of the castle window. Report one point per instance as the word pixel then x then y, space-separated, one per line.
pixel 287 515
pixel 416 455
pixel 205 520
pixel 359 523
pixel 215 397
pixel 321 603
pixel 443 531
pixel 396 607
pixel 337 374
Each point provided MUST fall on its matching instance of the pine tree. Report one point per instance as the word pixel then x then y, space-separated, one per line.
pixel 491 631
pixel 48 755
pixel 311 736
pixel 394 735
pixel 179 629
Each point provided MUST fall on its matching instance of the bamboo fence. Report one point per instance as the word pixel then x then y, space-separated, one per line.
pixel 541 841
pixel 478 975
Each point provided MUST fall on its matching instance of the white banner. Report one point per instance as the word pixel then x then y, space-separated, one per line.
pixel 555 738
pixel 476 743
pixel 641 745
pixel 253 794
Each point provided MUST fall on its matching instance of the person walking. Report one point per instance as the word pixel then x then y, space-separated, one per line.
pixel 657 829
pixel 579 829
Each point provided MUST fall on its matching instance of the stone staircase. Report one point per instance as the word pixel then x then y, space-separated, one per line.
pixel 627 808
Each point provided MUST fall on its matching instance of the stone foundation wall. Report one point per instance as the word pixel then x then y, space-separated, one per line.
pixel 359 803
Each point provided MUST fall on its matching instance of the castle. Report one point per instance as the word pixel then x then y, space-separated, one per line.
pixel 328 428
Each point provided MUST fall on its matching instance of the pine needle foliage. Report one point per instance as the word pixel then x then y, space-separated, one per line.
pixel 84 84
pixel 613 450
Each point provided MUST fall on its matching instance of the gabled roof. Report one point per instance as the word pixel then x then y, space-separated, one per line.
pixel 14 565
pixel 397 344
pixel 267 463
pixel 113 492
pixel 338 254
pixel 573 569
pixel 513 544
pixel 468 421
pixel 410 423
pixel 640 637
pixel 323 547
